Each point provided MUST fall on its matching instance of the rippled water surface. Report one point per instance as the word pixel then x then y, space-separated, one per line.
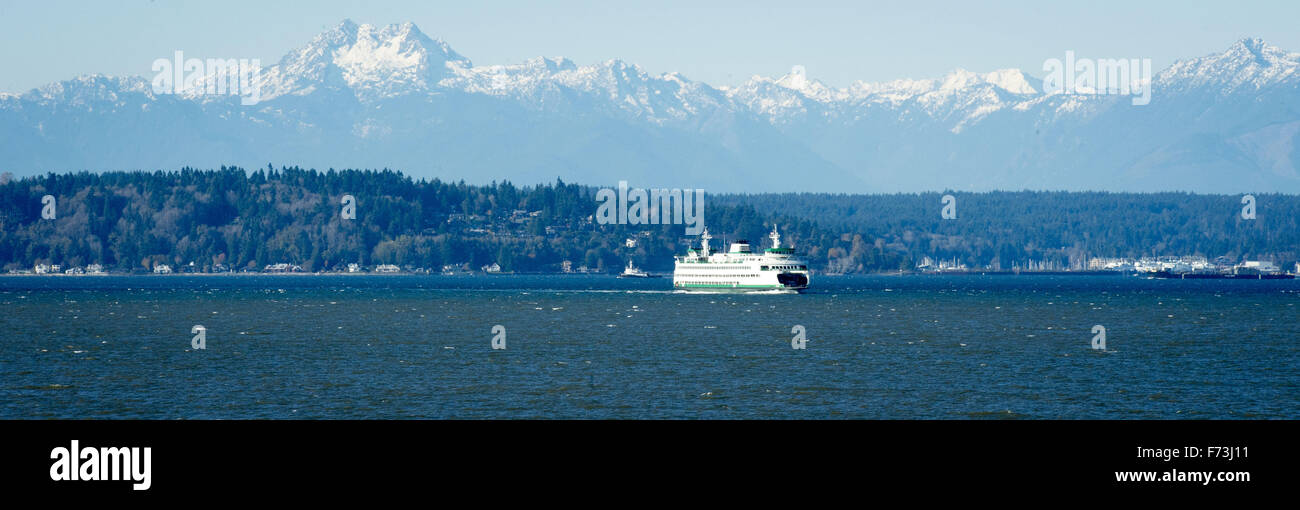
pixel 600 347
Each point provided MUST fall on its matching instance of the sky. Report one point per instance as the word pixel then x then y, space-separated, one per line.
pixel 720 43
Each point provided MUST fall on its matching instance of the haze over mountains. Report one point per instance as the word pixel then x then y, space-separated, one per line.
pixel 358 96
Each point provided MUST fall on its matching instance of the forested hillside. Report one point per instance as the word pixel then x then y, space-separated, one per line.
pixel 247 220
pixel 1002 228
pixel 231 218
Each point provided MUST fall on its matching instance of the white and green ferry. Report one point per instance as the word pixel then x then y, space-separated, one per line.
pixel 740 269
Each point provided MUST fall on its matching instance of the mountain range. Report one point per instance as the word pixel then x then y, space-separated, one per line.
pixel 359 96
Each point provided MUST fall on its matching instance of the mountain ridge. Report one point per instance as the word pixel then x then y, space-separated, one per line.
pixel 358 95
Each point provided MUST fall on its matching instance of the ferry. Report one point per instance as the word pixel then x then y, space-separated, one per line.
pixel 1248 270
pixel 740 269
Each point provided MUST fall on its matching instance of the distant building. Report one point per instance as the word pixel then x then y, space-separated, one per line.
pixel 492 268
pixel 461 267
pixel 162 269
pixel 387 268
pixel 354 268
pixel 41 269
pixel 95 269
pixel 282 267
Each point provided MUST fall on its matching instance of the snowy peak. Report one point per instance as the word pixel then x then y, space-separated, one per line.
pixel 1010 80
pixel 372 62
pixel 613 86
pixel 1249 64
pixel 550 64
pixel 778 99
pixel 394 59
pixel 961 97
pixel 892 91
pixel 959 80
pixel 798 80
pixel 90 90
pixel 1256 49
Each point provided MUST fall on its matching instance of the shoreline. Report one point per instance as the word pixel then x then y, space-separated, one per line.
pixel 404 273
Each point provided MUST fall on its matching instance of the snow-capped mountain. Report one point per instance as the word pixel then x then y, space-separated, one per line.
pixel 1249 65
pixel 370 97
pixel 372 62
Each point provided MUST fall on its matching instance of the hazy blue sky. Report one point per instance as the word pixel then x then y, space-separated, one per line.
pixel 723 43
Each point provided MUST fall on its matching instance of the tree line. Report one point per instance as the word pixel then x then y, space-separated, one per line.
pixel 1005 228
pixel 244 220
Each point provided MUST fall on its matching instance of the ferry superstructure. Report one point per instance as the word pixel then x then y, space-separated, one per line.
pixel 740 269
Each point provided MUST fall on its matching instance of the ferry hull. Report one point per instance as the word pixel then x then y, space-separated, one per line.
pixel 738 289
pixel 1221 276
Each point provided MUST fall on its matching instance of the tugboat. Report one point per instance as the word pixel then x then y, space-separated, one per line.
pixel 631 271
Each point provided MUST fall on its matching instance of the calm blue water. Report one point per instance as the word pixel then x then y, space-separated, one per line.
pixel 599 347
